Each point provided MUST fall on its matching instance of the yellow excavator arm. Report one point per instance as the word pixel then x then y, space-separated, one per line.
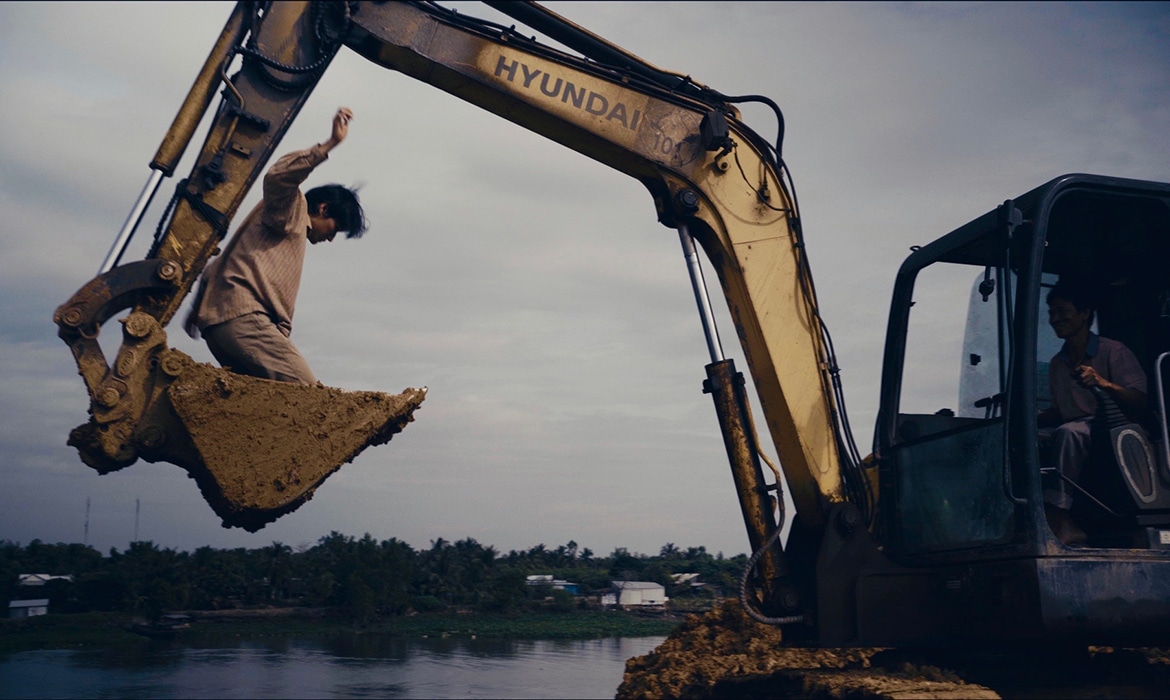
pixel 733 202
pixel 710 176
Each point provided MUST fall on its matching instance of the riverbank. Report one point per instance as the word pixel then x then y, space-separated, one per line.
pixel 97 630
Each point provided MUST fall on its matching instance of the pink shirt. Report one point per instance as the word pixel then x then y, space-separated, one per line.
pixel 1110 358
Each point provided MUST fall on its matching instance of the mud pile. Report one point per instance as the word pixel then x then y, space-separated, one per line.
pixel 725 654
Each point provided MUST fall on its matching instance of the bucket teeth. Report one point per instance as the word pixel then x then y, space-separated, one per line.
pixel 259 448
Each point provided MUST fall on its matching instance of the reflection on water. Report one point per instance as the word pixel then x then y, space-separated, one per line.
pixel 345 665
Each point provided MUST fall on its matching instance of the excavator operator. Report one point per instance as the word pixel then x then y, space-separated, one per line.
pixel 245 304
pixel 1086 361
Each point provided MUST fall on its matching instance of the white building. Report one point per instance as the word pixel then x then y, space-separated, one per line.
pixel 28 608
pixel 557 584
pixel 631 594
pixel 41 579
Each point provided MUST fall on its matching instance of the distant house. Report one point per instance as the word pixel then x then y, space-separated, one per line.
pixel 634 594
pixel 28 608
pixel 41 579
pixel 555 583
pixel 696 584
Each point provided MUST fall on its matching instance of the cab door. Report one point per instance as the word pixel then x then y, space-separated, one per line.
pixel 943 436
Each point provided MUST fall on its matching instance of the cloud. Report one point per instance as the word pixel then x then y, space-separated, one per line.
pixel 532 289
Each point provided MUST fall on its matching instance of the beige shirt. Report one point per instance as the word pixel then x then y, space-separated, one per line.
pixel 260 270
pixel 1110 358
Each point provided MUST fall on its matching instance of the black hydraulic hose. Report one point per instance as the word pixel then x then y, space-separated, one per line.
pixel 744 598
pixel 762 99
pixel 588 45
pixel 325 51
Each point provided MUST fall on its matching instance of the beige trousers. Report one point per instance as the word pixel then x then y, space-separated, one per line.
pixel 1068 447
pixel 252 344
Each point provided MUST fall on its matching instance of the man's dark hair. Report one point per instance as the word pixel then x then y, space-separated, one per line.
pixel 1079 292
pixel 343 207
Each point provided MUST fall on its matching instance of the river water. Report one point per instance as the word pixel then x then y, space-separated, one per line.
pixel 344 666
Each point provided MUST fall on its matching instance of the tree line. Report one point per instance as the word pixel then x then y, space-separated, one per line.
pixel 361 577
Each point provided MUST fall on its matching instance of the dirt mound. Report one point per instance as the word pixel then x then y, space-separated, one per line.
pixel 725 654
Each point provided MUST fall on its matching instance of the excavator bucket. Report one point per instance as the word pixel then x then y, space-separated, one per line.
pixel 265 446
pixel 257 448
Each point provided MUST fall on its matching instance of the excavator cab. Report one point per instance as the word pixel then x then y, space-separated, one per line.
pixel 962 468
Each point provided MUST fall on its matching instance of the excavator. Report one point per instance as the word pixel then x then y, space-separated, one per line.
pixel 937 538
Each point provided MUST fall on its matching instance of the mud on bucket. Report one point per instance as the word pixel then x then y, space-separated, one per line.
pixel 259 448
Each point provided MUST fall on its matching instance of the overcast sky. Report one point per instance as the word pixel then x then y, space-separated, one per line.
pixel 530 288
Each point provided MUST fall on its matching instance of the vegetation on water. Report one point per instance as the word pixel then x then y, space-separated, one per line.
pixel 458 588
pixel 82 630
pixel 95 630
